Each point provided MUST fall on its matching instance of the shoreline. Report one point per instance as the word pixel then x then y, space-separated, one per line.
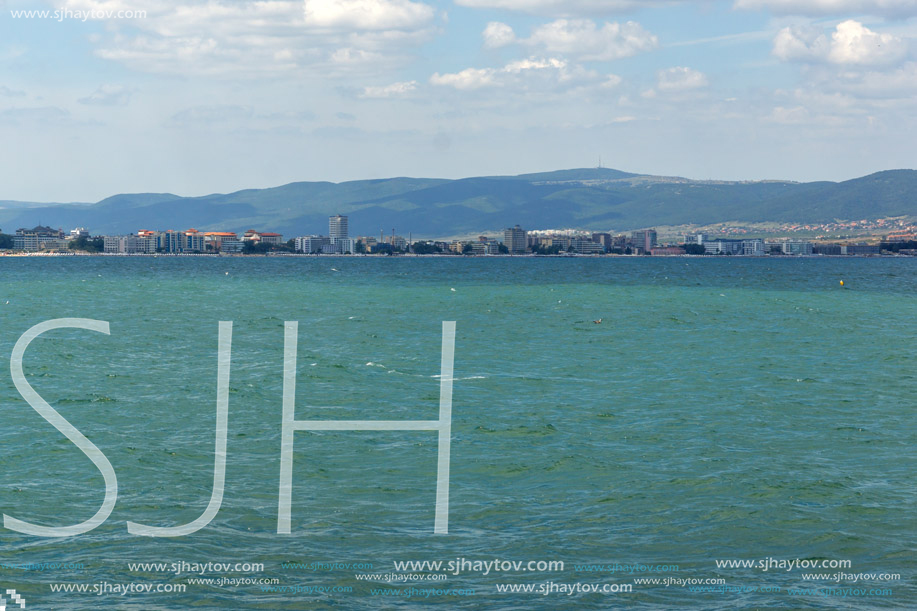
pixel 443 256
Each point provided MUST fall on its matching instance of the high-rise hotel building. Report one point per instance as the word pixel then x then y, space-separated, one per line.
pixel 337 232
pixel 337 227
pixel 514 240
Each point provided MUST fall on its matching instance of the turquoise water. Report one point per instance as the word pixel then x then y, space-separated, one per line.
pixel 724 409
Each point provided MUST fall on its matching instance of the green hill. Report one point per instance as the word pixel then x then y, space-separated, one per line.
pixel 597 198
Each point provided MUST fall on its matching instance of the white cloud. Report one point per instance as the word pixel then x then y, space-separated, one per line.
pixel 469 78
pixel 890 8
pixel 583 38
pixel 560 8
pixel 108 95
pixel 680 78
pixel 813 107
pixel 795 43
pixel 879 85
pixel 790 116
pixel 498 35
pixel 395 90
pixel 611 81
pixel 262 38
pixel 532 73
pixel 873 89
pixel 349 56
pixel 851 43
pixel 367 14
pixel 599 8
pixel 198 18
pixel 522 65
pixel 158 54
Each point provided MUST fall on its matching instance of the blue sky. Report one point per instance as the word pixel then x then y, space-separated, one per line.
pixel 202 96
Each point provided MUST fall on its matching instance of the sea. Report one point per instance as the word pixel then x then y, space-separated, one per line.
pixel 626 432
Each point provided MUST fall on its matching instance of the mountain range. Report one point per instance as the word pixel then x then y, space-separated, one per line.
pixel 595 198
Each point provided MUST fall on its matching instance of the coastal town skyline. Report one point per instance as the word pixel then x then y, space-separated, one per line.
pixel 514 241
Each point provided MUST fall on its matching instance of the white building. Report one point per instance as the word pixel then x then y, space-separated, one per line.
pixel 722 246
pixel 231 245
pixel 753 248
pixel 337 227
pixel 311 244
pixel 172 241
pixel 796 247
pixel 39 238
pixel 695 238
pixel 343 246
pixel 586 246
pixel 269 237
pixel 129 244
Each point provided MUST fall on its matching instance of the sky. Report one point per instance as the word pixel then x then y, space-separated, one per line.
pixel 198 96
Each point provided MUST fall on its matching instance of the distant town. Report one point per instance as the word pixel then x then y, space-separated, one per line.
pixel 43 240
